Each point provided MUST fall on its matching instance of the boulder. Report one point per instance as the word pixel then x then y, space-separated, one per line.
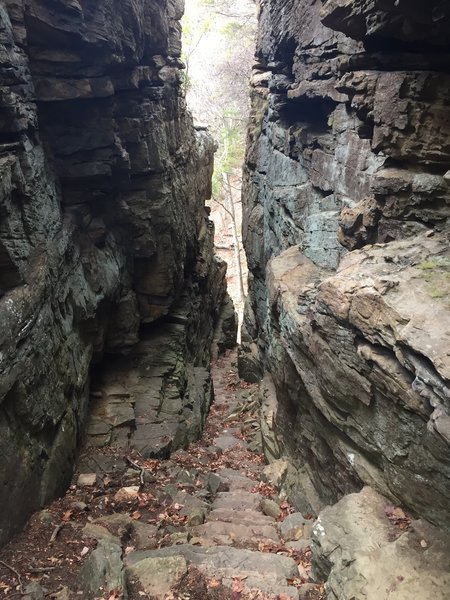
pixel 103 570
pixel 157 575
pixel 346 226
pixel 363 554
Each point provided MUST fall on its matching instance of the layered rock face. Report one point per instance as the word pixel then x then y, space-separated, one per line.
pixel 346 226
pixel 102 227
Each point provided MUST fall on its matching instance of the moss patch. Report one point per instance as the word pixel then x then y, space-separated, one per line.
pixel 436 272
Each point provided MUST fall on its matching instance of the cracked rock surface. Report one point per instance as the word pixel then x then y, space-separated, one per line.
pixel 197 526
pixel 103 233
pixel 346 230
pixel 188 526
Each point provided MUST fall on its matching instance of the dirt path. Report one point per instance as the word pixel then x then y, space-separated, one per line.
pixel 200 525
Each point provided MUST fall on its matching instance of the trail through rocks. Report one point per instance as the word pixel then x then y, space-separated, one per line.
pixel 202 524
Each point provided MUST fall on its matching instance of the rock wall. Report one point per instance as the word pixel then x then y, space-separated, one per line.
pixel 102 221
pixel 346 227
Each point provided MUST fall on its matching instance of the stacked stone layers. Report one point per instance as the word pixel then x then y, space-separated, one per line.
pixel 346 226
pixel 102 225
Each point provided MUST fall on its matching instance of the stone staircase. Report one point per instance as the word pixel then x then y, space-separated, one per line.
pixel 203 522
pixel 225 547
pixel 233 536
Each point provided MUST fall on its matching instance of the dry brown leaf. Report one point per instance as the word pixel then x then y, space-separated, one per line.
pixel 303 572
pixel 238 586
pixel 398 513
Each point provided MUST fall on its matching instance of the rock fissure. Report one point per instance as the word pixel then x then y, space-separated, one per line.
pixel 211 522
pixel 113 305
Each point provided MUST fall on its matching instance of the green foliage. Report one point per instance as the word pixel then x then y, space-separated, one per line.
pixel 438 293
pixel 427 265
pixel 436 272
pixel 194 30
pixel 441 262
pixel 260 106
pixel 186 80
pixel 231 147
pixel 231 30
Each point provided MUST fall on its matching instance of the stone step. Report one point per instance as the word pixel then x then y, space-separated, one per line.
pixel 227 441
pixel 237 532
pixel 225 562
pixel 264 585
pixel 244 517
pixel 157 570
pixel 234 480
pixel 239 500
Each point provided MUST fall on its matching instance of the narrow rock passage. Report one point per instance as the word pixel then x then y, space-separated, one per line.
pixel 203 524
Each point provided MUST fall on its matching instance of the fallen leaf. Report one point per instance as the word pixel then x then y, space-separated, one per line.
pixel 151 464
pixel 213 583
pixel 238 586
pixel 145 498
pixel 84 551
pixel 303 572
pixel 136 515
pixel 67 515
pixel 398 513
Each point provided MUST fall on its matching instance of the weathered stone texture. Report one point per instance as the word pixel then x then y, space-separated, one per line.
pixel 363 554
pixel 346 227
pixel 102 222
